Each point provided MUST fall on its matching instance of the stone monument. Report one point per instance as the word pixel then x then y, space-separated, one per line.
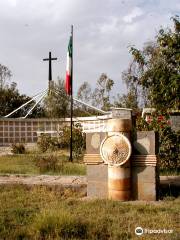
pixel 121 165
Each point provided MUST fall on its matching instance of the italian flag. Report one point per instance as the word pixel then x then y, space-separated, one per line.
pixel 68 83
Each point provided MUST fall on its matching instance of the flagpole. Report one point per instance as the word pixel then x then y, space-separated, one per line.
pixel 71 93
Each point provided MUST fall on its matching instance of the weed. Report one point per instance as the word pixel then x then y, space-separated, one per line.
pixel 18 148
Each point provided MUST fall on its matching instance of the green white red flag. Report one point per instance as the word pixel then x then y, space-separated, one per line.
pixel 68 83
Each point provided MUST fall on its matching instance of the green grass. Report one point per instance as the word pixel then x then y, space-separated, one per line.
pixel 26 164
pixel 39 213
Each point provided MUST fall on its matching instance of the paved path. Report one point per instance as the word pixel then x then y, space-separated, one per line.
pixel 48 180
pixel 65 180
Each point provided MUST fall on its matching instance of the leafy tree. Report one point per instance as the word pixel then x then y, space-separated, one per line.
pixel 85 92
pixel 128 100
pixel 101 94
pixel 157 69
pixel 11 99
pixel 85 95
pixel 5 75
pixel 56 104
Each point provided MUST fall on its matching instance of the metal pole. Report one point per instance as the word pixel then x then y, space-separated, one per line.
pixel 71 137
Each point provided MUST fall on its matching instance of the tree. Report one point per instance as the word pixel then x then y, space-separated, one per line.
pixel 85 92
pixel 5 75
pixel 158 69
pixel 56 104
pixel 101 94
pixel 11 99
pixel 128 100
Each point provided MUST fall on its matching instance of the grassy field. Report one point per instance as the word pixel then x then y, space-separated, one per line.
pixel 39 213
pixel 27 164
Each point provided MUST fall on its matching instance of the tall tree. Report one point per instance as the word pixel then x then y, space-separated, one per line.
pixel 158 69
pixel 128 100
pixel 11 99
pixel 101 94
pixel 56 104
pixel 85 92
pixel 5 75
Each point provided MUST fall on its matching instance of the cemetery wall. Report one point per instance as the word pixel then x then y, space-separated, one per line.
pixel 16 130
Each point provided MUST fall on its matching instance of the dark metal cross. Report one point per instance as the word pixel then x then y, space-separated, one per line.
pixel 50 67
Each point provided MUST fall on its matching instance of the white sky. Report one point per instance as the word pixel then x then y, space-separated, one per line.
pixel 103 30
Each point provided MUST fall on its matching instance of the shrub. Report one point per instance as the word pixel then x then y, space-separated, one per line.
pixel 44 142
pixel 18 148
pixel 47 163
pixel 79 141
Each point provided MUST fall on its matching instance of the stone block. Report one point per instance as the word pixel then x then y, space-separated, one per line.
pixel 97 172
pixel 146 191
pixel 93 142
pixel 146 174
pixel 97 181
pixel 145 143
pixel 122 113
pixel 144 183
pixel 97 189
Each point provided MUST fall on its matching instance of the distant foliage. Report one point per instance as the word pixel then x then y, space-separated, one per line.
pixel 18 148
pixel 101 94
pixel 11 99
pixel 5 75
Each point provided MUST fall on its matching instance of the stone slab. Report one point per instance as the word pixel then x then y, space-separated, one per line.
pixel 93 142
pixel 146 174
pixel 97 189
pixel 97 173
pixel 144 183
pixel 121 113
pixel 145 143
pixel 97 181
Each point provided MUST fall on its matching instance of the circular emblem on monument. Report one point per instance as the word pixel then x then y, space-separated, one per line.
pixel 115 149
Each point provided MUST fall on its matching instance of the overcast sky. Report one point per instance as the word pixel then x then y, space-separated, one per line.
pixel 103 30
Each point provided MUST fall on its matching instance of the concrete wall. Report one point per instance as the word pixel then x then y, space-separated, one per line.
pixel 25 130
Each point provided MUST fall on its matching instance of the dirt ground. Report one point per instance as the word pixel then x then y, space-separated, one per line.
pixel 42 180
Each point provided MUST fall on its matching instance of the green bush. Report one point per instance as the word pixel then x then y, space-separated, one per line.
pixel 47 163
pixel 169 149
pixel 79 141
pixel 18 148
pixel 45 142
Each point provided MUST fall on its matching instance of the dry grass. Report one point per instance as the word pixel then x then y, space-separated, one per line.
pixel 43 214
pixel 27 164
